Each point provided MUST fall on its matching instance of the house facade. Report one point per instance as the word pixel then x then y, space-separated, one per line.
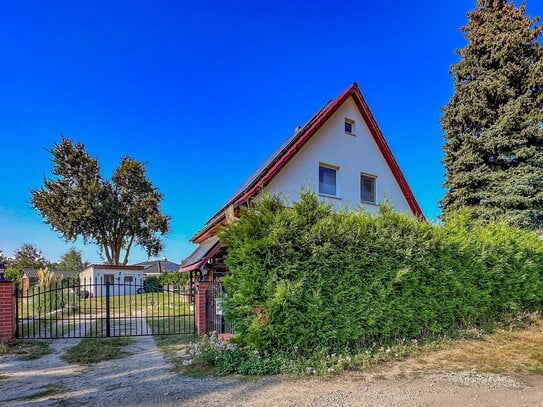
pixel 340 153
pixel 123 280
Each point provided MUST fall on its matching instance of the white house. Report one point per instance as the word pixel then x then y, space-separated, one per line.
pixel 343 157
pixel 123 280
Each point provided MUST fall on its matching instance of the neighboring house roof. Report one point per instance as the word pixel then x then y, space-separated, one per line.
pixel 267 171
pixel 276 162
pixel 159 266
pixel 201 255
pixel 33 273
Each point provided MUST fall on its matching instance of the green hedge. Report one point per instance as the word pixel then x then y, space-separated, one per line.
pixel 305 279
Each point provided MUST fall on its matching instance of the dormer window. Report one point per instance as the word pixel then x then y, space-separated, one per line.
pixel 349 126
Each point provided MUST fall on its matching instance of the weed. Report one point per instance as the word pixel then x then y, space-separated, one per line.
pixel 26 350
pixel 94 350
pixel 45 391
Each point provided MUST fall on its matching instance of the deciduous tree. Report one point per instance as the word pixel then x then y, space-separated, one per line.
pixel 115 214
pixel 71 260
pixel 28 256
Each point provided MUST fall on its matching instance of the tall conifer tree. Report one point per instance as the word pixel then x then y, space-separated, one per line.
pixel 493 152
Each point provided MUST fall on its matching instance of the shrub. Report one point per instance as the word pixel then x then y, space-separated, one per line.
pixel 306 280
pixel 177 280
pixel 152 283
pixel 14 274
pixel 226 358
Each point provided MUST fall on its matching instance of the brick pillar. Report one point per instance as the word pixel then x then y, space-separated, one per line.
pixel 7 312
pixel 200 311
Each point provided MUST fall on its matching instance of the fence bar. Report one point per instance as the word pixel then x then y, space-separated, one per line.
pixel 108 324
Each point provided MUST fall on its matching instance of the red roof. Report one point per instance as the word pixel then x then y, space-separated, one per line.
pixel 278 160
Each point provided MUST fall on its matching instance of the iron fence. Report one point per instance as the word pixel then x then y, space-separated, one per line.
pixel 76 309
pixel 215 298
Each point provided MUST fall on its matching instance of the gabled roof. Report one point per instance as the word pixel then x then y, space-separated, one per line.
pixel 158 266
pixel 33 273
pixel 267 171
pixel 201 255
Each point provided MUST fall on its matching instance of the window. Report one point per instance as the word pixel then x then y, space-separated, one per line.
pixel 367 188
pixel 109 278
pixel 349 126
pixel 128 279
pixel 327 180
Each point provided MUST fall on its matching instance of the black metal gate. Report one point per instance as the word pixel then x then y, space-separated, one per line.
pixel 215 309
pixel 102 309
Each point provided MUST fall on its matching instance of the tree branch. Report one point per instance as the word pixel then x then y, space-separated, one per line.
pixel 128 250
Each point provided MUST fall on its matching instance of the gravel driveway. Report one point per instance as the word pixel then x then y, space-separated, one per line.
pixel 144 379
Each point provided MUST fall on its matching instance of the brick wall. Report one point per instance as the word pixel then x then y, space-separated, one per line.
pixel 7 311
pixel 200 312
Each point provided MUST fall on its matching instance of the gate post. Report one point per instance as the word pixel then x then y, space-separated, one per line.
pixel 108 316
pixel 7 312
pixel 200 311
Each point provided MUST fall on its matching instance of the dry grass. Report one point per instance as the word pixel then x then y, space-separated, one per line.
pixel 507 350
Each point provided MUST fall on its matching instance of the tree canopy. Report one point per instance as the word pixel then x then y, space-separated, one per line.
pixel 71 260
pixel 493 152
pixel 28 256
pixel 115 214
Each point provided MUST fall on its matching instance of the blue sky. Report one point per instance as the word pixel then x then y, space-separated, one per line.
pixel 204 91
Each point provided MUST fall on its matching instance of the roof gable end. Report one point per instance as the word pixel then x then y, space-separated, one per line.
pixel 284 154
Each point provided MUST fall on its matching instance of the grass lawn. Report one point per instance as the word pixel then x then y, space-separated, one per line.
pixel 94 350
pixel 61 315
pixel 26 350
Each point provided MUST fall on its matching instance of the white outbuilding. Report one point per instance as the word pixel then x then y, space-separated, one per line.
pixel 123 280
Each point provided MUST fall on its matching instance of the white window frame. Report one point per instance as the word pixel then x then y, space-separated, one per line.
pixel 352 123
pixel 336 169
pixel 107 275
pixel 374 178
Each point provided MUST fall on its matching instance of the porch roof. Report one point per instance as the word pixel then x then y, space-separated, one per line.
pixel 201 254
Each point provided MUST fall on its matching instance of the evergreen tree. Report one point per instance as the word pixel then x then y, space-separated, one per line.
pixel 493 152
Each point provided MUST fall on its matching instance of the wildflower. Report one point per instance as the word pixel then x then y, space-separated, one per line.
pixel 187 362
pixel 310 370
pixel 229 347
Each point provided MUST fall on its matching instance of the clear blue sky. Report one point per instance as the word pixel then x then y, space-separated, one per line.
pixel 204 91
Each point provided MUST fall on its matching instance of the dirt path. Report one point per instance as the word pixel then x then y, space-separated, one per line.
pixel 144 379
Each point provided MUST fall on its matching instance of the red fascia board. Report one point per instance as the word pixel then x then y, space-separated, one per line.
pixel 387 154
pixel 374 131
pixel 283 159
pixel 293 149
pixel 200 264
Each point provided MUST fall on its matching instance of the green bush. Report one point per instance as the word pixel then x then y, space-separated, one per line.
pixel 227 359
pixel 177 280
pixel 152 283
pixel 306 280
pixel 14 274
